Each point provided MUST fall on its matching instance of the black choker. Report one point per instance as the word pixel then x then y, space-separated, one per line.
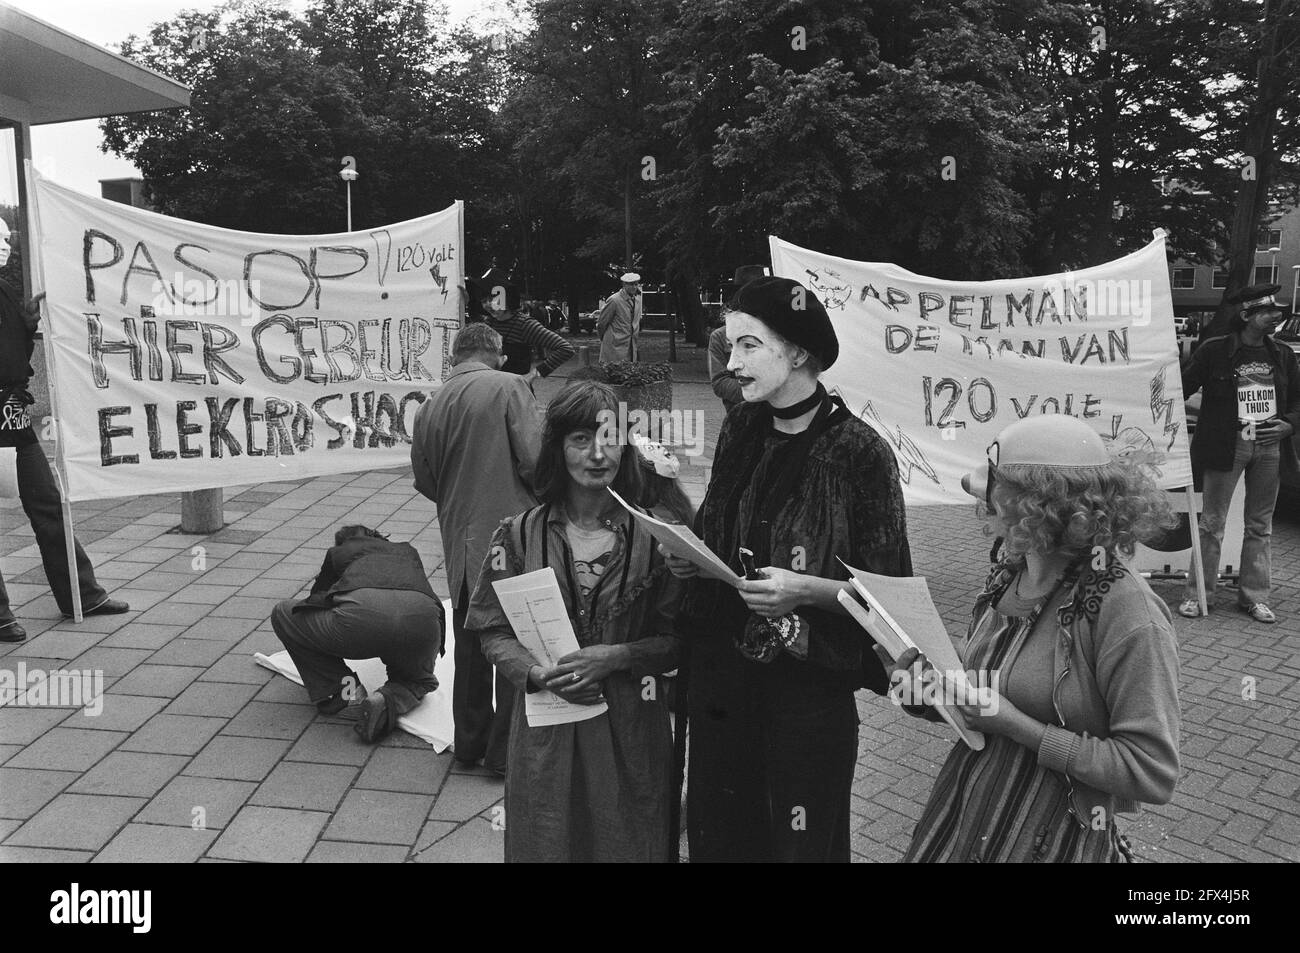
pixel 801 408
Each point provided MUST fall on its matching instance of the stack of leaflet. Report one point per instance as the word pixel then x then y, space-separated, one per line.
pixel 899 614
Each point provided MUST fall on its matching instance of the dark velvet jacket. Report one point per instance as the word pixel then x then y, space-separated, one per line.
pixel 367 563
pixel 847 504
pixel 1210 369
pixel 16 340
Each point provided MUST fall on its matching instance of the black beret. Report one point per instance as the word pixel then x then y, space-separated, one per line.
pixel 793 312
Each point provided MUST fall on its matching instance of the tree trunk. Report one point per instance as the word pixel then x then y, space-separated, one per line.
pixel 627 218
pixel 1101 244
pixel 695 319
pixel 571 305
pixel 1252 197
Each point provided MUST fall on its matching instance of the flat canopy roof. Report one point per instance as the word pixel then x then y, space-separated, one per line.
pixel 49 75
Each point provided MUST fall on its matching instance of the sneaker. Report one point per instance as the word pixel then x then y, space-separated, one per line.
pixel 1189 609
pixel 1260 613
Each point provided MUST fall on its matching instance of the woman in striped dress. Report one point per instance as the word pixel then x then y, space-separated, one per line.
pixel 1081 720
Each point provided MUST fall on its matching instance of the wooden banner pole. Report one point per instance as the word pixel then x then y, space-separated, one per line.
pixel 32 251
pixel 1198 564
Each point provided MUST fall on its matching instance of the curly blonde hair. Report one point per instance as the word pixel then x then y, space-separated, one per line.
pixel 1042 508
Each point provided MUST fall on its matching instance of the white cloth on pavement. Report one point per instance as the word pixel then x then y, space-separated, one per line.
pixel 429 721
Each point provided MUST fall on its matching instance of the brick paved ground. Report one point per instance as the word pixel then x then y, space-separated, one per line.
pixel 200 755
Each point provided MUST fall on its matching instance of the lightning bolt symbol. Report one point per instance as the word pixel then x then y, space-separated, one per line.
pixel 909 454
pixel 1162 406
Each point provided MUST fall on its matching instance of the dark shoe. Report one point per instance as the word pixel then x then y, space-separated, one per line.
pixel 339 702
pixel 107 607
pixel 373 719
pixel 13 632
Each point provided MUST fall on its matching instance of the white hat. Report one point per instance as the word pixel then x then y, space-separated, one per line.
pixel 630 278
pixel 1053 440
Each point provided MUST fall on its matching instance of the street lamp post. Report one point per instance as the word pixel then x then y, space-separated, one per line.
pixel 1295 289
pixel 1272 264
pixel 349 175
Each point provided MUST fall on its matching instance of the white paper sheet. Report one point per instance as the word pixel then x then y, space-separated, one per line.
pixel 535 608
pixel 902 615
pixel 681 542
pixel 8 473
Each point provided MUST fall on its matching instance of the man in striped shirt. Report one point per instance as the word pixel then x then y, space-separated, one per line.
pixel 520 334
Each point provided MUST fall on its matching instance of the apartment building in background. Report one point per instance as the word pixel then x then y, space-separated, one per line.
pixel 1198 288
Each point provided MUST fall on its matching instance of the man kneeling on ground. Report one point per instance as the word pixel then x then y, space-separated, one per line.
pixel 371 599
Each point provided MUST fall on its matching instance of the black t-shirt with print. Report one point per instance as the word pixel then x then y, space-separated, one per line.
pixel 1256 389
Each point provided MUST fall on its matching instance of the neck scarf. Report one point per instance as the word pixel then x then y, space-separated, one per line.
pixel 802 407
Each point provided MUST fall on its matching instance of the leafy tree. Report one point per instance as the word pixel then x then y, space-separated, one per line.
pixel 832 125
pixel 581 124
pixel 279 100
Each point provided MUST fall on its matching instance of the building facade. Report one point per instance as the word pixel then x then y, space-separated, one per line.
pixel 1198 288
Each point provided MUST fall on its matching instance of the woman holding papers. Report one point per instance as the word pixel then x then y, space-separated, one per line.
pixel 802 483
pixel 1083 717
pixel 600 789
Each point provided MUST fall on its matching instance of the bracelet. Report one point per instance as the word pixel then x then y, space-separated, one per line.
pixel 788 630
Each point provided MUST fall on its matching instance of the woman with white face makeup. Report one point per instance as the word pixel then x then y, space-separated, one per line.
pixel 800 483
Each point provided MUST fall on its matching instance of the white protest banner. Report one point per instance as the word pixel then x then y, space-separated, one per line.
pixel 184 356
pixel 939 367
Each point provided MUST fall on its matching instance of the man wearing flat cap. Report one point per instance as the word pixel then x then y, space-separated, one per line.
pixel 1250 408
pixel 620 322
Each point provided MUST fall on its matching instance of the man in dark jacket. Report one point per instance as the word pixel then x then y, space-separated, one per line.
pixel 1250 408
pixel 371 599
pixel 36 487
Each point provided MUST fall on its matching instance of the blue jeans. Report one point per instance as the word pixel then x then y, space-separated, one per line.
pixel 1260 465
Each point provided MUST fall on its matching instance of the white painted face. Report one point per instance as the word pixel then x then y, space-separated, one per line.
pixel 760 359
pixel 4 243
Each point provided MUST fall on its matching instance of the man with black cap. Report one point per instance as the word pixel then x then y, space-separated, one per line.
pixel 36 487
pixel 619 323
pixel 1250 408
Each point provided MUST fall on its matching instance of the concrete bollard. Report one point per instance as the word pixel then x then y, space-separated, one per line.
pixel 201 511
